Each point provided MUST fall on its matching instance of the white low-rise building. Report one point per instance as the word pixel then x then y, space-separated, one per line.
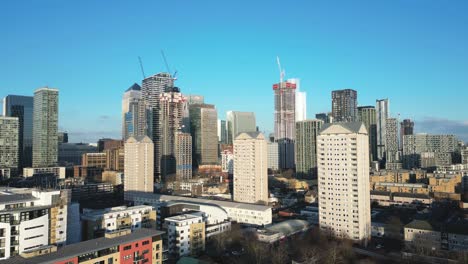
pixel 115 218
pixel 30 219
pixel 186 234
pixel 250 214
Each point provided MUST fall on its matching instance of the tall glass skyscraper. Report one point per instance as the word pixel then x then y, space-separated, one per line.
pixel 382 110
pixel 22 107
pixel 238 122
pixel 45 127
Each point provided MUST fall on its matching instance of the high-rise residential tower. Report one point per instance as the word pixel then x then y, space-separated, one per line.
pixel 306 148
pixel 133 110
pixel 442 147
pixel 406 128
pixel 238 122
pixel 367 115
pixel 301 100
pixel 152 88
pixel 285 122
pixel 382 111
pixel 9 147
pixel 344 105
pixel 183 156
pixel 343 177
pixel 391 142
pixel 203 127
pixel 250 168
pixel 45 127
pixel 138 172
pixel 22 107
pixel 171 110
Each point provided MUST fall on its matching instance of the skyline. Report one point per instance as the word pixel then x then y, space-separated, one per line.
pixel 91 56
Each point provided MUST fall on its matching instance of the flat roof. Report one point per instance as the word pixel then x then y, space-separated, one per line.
pixel 182 217
pixel 226 204
pixel 81 248
pixel 10 197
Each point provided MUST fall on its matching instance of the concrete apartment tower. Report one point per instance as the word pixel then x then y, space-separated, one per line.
pixel 238 122
pixel 343 177
pixel 9 147
pixel 171 122
pixel 306 148
pixel 250 168
pixel 392 145
pixel 344 105
pixel 45 127
pixel 183 155
pixel 22 107
pixel 138 171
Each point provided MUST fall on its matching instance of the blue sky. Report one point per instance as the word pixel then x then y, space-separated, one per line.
pixel 412 52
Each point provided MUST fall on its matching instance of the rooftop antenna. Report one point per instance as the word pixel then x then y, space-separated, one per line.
pixel 141 66
pixel 281 71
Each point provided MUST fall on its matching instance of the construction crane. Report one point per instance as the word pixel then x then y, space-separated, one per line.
pixel 141 67
pixel 281 71
pixel 167 66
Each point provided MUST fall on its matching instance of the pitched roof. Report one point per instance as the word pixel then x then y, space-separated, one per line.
pixel 134 87
pixel 343 128
pixel 246 135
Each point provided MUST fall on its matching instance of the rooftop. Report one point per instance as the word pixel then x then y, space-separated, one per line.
pixel 343 128
pixel 71 251
pixel 226 204
pixel 182 217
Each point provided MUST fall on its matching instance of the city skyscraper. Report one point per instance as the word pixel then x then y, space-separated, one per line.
pixel 9 144
pixel 138 172
pixel 391 142
pixel 45 127
pixel 222 131
pixel 250 168
pixel 285 122
pixel 368 116
pixel 203 127
pixel 406 128
pixel 133 110
pixel 22 107
pixel 343 178
pixel 344 105
pixel 382 111
pixel 152 88
pixel 306 148
pixel 183 156
pixel 238 122
pixel 301 100
pixel 171 110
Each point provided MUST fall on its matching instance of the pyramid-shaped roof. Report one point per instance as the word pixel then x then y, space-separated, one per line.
pixel 134 87
pixel 344 128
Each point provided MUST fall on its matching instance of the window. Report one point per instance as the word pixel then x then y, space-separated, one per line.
pixel 145 242
pixel 127 247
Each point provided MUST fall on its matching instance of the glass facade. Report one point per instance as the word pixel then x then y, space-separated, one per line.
pixel 21 107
